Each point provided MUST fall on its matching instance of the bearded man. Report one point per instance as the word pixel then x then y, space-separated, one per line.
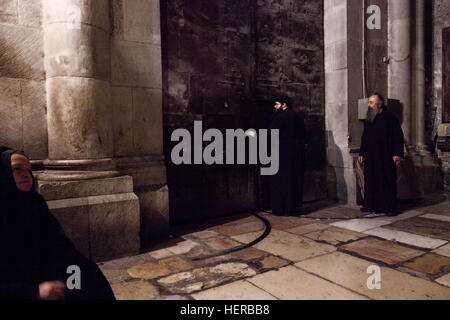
pixel 381 149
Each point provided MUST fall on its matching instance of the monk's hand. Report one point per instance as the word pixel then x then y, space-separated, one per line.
pixel 52 290
pixel 396 159
pixel 360 159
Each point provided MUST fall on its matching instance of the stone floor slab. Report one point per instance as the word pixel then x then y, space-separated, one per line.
pixel 161 254
pixel 221 243
pixel 431 264
pixel 381 250
pixel 235 229
pixel 206 277
pixel 271 262
pixel 334 235
pixel 287 245
pixel 443 251
pixel 406 238
pixel 239 290
pixel 360 225
pixel 308 228
pixel 290 283
pixel 205 234
pixel 183 247
pixel 351 272
pixel 164 267
pixel 444 280
pixel 135 290
pixel 249 254
pixel 425 227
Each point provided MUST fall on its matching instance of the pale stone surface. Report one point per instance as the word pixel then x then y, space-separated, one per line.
pixel 161 254
pixel 136 64
pixel 135 290
pixel 79 127
pixel 80 52
pixel 221 243
pixel 206 277
pixel 407 238
pixel 90 12
pixel 444 280
pixel 8 11
pixel 308 228
pixel 238 268
pixel 73 215
pixel 436 217
pixel 162 268
pixel 334 235
pixel 21 52
pixel 280 284
pixel 147 121
pixel 286 245
pixel 56 190
pixel 34 107
pixel 114 224
pixel 360 225
pixel 351 272
pixel 444 250
pixel 121 102
pixel 239 290
pixel 183 247
pixel 141 21
pixel 30 13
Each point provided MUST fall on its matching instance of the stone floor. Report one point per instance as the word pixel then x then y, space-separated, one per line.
pixel 324 253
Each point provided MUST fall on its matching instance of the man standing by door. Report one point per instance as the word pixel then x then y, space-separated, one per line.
pixel 286 186
pixel 381 149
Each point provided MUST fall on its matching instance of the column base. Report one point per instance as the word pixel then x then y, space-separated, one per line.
pixel 100 215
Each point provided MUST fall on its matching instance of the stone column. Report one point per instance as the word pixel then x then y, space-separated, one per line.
pixel 419 68
pixel 95 205
pixel 77 65
pixel 399 48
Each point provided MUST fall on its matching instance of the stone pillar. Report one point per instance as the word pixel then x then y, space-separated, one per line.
pixel 96 206
pixel 343 88
pixel 399 48
pixel 419 68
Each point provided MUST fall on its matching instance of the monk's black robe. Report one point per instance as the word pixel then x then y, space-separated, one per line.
pixel 381 141
pixel 34 248
pixel 286 186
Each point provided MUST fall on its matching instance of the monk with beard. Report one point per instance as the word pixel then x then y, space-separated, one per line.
pixel 381 149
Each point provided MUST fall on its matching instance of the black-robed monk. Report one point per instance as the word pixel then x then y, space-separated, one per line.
pixel 34 251
pixel 381 148
pixel 286 186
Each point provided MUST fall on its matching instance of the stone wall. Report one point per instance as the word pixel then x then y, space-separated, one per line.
pixel 224 61
pixel 22 78
pixel 441 20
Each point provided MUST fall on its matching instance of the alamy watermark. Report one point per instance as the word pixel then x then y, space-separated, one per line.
pixel 374 281
pixel 235 140
pixel 74 280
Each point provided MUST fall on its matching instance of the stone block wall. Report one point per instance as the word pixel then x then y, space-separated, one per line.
pixel 22 78
pixel 136 77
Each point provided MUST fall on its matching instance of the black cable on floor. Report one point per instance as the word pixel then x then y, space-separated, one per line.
pixel 268 228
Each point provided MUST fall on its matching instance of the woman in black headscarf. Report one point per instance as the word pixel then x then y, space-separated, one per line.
pixel 34 251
